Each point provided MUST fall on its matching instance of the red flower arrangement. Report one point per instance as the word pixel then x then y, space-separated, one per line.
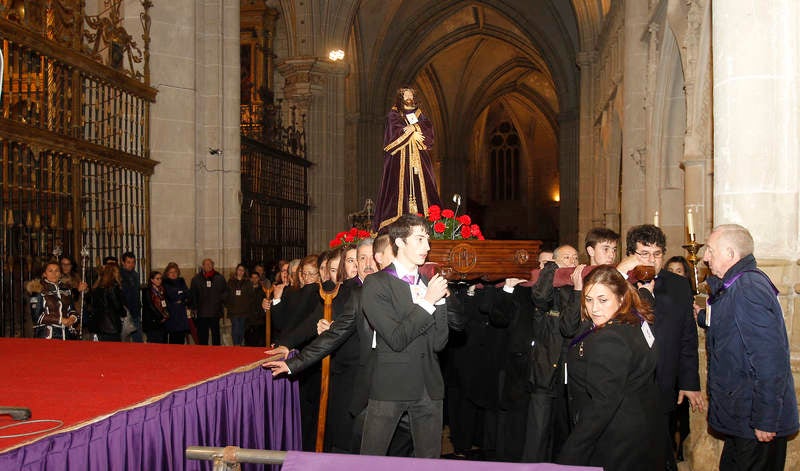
pixel 445 225
pixel 352 236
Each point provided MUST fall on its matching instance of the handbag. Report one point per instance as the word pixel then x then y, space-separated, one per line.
pixel 128 327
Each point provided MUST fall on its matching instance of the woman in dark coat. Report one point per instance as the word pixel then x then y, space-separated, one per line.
pixel 108 307
pixel 613 397
pixel 154 309
pixel 176 294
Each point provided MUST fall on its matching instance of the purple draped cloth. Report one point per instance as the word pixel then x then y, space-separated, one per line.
pixel 303 461
pixel 407 170
pixel 247 409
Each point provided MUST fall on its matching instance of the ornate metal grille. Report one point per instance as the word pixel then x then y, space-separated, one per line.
pixel 74 142
pixel 274 204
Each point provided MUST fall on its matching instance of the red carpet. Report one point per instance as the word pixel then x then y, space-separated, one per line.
pixel 77 381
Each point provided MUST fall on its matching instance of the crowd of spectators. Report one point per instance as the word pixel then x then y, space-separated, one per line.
pixel 601 371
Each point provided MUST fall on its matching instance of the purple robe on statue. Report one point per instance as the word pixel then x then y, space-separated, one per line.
pixel 408 184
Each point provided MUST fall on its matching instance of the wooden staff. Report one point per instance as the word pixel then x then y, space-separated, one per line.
pixel 326 368
pixel 267 294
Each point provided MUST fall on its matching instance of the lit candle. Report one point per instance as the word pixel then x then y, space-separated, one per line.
pixel 690 223
pixel 655 219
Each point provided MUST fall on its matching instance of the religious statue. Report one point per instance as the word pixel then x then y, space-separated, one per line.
pixel 408 184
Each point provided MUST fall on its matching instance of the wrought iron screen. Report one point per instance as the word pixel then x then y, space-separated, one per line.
pixel 74 142
pixel 274 205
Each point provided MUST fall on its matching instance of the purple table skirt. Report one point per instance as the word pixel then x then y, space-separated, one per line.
pixel 247 409
pixel 301 461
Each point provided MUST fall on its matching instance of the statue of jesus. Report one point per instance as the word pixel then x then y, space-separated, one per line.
pixel 408 184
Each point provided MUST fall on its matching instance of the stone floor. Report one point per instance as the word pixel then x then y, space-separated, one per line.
pixel 447 450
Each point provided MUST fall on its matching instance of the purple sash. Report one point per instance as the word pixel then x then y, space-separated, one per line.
pixel 715 297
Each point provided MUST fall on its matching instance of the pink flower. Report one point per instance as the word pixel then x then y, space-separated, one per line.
pixel 448 213
pixel 439 227
pixel 475 230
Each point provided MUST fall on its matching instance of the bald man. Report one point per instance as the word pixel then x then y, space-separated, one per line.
pixel 750 385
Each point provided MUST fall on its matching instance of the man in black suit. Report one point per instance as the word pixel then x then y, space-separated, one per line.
pixel 675 331
pixel 406 379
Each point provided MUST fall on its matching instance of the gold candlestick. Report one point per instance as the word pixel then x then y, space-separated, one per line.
pixel 693 248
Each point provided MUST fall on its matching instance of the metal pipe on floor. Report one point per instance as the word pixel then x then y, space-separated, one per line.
pixel 232 455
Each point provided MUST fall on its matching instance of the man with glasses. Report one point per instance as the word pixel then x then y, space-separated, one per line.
pixel 675 331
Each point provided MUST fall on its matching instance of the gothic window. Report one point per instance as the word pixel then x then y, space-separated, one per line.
pixel 504 150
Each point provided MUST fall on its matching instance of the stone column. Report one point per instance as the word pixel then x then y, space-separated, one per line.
pixel 756 49
pixel 172 136
pixel 195 208
pixel 588 200
pixel 634 128
pixel 569 171
pixel 756 108
pixel 316 86
pixel 217 141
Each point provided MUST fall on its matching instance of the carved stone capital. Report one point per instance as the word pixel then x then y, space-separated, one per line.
pixel 585 58
pixel 306 76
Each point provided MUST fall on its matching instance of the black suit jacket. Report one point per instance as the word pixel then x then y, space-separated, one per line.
pixel 514 311
pixel 408 338
pixel 676 337
pixel 613 401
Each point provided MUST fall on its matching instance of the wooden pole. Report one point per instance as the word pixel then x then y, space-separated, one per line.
pixel 326 369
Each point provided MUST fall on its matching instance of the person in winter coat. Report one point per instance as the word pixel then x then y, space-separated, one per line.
pixel 107 305
pixel 176 294
pixel 51 306
pixel 154 309
pixel 240 301
pixel 209 292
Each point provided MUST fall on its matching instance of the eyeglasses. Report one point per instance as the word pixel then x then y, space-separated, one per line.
pixel 310 273
pixel 647 255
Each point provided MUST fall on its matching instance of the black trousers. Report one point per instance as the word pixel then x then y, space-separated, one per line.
pixel 401 444
pixel 425 421
pixel 176 338
pixel 745 454
pixel 204 324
